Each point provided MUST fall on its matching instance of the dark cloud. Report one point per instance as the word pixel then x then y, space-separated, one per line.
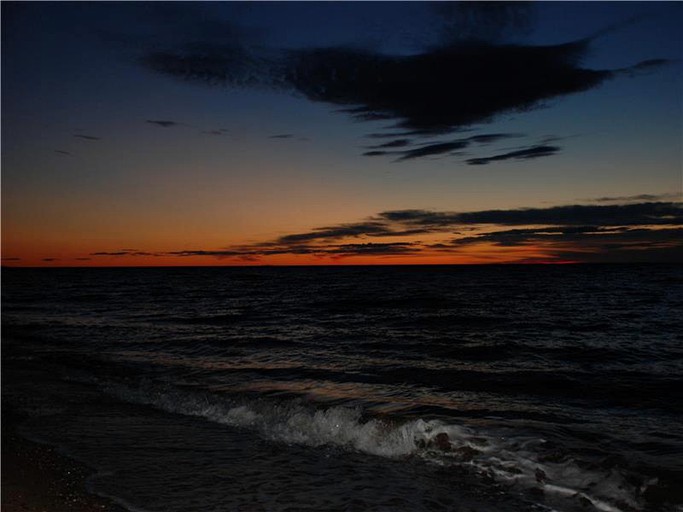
pixel 418 94
pixel 521 154
pixel 488 138
pixel 590 244
pixel 83 259
pixel 336 232
pixel 164 124
pixel 213 132
pixel 124 252
pixel 619 237
pixel 438 148
pixel 251 253
pixel 433 149
pixel 48 260
pixel 398 143
pixel 282 136
pixel 87 137
pixel 639 197
pixel 62 152
pixel 374 249
pixel 388 135
pixel 10 259
pixel 423 94
pixel 624 232
pixel 218 254
pixel 571 215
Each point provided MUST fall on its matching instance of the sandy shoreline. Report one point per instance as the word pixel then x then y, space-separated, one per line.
pixel 35 478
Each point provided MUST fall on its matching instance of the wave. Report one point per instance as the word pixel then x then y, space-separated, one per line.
pixel 523 462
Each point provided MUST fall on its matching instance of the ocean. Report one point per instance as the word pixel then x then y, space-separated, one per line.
pixel 426 388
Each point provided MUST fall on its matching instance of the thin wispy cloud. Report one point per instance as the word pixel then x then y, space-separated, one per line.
pixel 638 197
pixel 164 123
pixel 521 154
pixel 124 252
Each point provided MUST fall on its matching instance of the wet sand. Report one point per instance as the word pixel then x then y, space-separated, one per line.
pixel 35 478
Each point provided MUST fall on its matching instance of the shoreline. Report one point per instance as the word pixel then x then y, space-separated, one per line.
pixel 36 478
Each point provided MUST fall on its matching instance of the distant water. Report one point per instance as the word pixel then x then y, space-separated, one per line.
pixel 492 388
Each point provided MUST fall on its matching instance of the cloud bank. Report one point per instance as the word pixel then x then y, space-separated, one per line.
pixel 651 231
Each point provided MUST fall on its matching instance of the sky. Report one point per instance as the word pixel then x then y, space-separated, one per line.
pixel 341 133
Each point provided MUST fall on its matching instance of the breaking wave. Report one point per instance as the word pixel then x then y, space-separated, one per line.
pixel 528 463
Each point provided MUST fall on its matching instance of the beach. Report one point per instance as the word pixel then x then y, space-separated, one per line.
pixel 36 478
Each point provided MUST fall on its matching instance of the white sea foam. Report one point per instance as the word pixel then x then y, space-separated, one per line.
pixel 512 461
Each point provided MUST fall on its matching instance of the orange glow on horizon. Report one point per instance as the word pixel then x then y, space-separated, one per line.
pixel 475 254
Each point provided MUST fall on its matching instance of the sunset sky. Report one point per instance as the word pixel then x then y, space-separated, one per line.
pixel 341 133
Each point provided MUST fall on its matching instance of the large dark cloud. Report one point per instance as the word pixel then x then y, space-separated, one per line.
pixel 444 89
pixel 428 94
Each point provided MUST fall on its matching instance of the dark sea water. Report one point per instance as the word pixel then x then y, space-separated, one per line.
pixel 484 388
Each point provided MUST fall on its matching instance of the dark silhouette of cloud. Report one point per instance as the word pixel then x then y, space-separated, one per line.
pixel 419 94
pixel 213 132
pixel 432 149
pixel 639 197
pixel 218 253
pixel 426 94
pixel 521 154
pixel 62 152
pixel 571 215
pixel 374 249
pixel 623 232
pixel 10 259
pixel 282 136
pixel 398 143
pixel 124 252
pixel 87 137
pixel 163 124
pixel 83 259
pixel 48 260
pixel 615 237
pixel 337 232
pixel 488 138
